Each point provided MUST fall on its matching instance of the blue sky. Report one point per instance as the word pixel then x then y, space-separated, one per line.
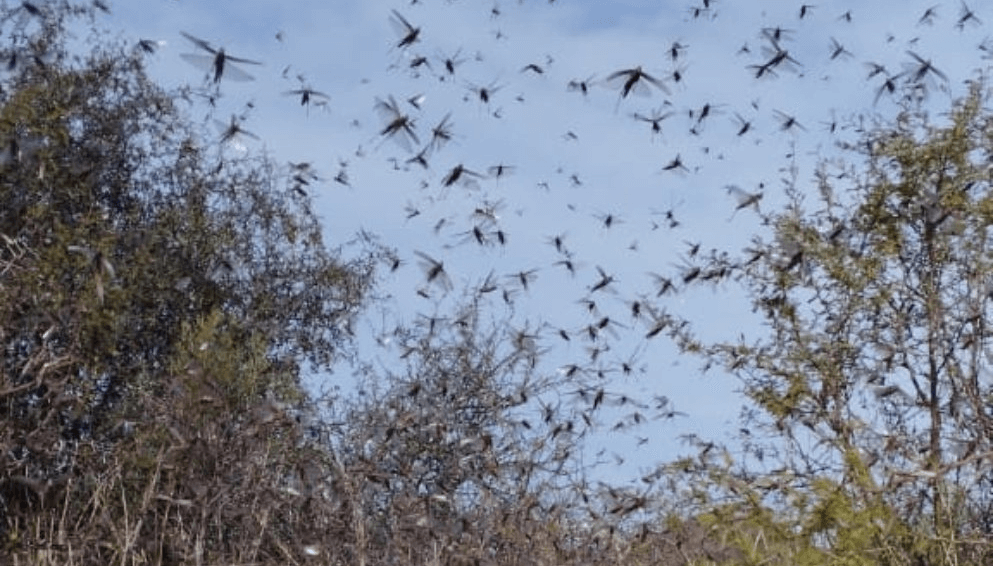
pixel 347 49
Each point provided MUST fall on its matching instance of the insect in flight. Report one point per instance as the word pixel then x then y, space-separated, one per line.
pixel 308 95
pixel 634 81
pixel 219 63
pixel 398 126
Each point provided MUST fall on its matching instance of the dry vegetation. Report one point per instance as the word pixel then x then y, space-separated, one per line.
pixel 155 327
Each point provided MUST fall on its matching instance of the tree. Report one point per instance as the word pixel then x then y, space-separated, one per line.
pixel 871 388
pixel 159 299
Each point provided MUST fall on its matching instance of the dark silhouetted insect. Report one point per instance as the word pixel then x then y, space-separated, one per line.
pixel 744 198
pixel 675 165
pixel 534 68
pixel 408 33
pixel 927 18
pixel 777 55
pixel 874 69
pixel 398 126
pixel 420 158
pixel 607 220
pixel 150 45
pixel 485 93
pixel 558 241
pixel 838 50
pixel 787 122
pixel 475 234
pixel 582 86
pixel 604 282
pixel 500 170
pixel 568 264
pixel 457 173
pixel 634 81
pixel 417 62
pixel 524 278
pixel 744 126
pixel 922 69
pixel 654 119
pixel 441 134
pixel 888 86
pixel 232 132
pixel 967 16
pixel 488 212
pixel 707 110
pixel 434 271
pixel 307 94
pixel 694 247
pixel 219 63
pixel 451 63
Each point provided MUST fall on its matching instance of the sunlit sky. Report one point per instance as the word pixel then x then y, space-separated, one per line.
pixel 576 158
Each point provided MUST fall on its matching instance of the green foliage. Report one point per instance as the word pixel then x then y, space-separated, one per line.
pixel 156 298
pixel 871 386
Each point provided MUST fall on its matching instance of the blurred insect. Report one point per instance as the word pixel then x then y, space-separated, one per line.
pixel 485 93
pixel 777 55
pixel 967 16
pixel 416 100
pixel 744 198
pixel 488 212
pixel 306 94
pixel 838 50
pixel 922 69
pixel 888 86
pixel 500 170
pixel 232 132
pixel 219 63
pixel 303 173
pixel 524 278
pixel 655 119
pixel 675 165
pixel 608 220
pixel 787 122
pixel 634 81
pixel 744 126
pixel 777 34
pixel 451 62
pixel 927 18
pixel 582 86
pixel 874 69
pixel 707 110
pixel 408 33
pixel 534 68
pixel 604 282
pixel 434 271
pixel 476 234
pixel 150 45
pixel 677 72
pixel 459 172
pixel 398 126
pixel 420 158
pixel 441 134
